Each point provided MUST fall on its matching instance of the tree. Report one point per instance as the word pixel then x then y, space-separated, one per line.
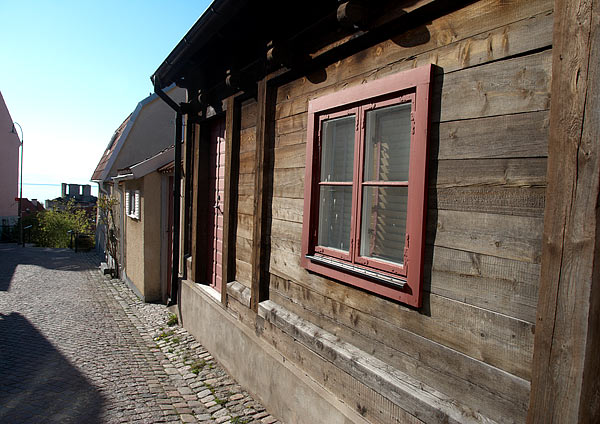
pixel 55 225
pixel 107 211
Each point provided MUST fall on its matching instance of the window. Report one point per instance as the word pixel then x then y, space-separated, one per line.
pixel 132 204
pixel 365 190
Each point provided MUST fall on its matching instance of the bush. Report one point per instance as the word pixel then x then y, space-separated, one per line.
pixel 54 226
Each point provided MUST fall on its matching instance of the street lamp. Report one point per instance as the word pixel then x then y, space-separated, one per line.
pixel 21 239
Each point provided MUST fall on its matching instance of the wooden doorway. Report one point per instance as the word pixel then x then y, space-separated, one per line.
pixel 216 185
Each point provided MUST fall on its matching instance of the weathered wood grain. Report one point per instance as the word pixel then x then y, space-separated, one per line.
pixel 476 20
pixel 262 184
pixel 498 284
pixel 521 201
pixel 289 183
pixel 243 273
pixel 517 85
pixel 244 226
pixel 511 237
pixel 243 250
pixel 566 365
pixel 248 114
pixel 287 209
pixel 473 383
pixel 368 402
pixel 523 135
pixel 290 156
pixel 413 396
pixel 496 339
pixel 488 172
pixel 248 140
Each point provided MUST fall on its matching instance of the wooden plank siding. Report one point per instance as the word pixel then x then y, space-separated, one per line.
pixel 473 338
pixel 245 191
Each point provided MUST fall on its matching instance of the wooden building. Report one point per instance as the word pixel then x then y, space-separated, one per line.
pixel 390 209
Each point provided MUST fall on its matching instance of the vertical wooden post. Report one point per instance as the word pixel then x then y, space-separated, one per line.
pixel 188 161
pixel 565 383
pixel 232 148
pixel 195 243
pixel 260 249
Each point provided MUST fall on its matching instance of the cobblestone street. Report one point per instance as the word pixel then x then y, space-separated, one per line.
pixel 78 347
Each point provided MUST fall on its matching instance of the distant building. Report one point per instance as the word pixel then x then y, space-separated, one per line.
pixel 9 168
pixel 80 195
pixel 31 207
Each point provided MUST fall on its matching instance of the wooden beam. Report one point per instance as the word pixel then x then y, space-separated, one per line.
pixel 193 195
pixel 262 192
pixel 188 172
pixel 232 147
pixel 566 364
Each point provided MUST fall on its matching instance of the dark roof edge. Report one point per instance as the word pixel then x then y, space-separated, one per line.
pixel 211 21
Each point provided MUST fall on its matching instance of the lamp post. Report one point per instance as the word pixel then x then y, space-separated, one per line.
pixel 21 239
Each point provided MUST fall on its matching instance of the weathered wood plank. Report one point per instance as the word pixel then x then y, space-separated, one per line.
pixel 290 156
pixel 517 85
pixel 500 285
pixel 289 183
pixel 511 237
pixel 248 139
pixel 287 209
pixel 488 172
pixel 244 226
pixel 503 397
pixel 521 201
pixel 490 282
pixel 290 139
pixel 262 184
pixel 243 249
pixel 368 402
pixel 566 365
pixel 496 339
pixel 512 86
pixel 412 395
pixel 247 162
pixel 245 204
pixel 523 135
pixel 505 236
pixel 446 48
pixel 243 273
pixel 249 111
pixel 232 142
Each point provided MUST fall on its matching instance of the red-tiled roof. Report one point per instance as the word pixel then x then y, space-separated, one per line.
pixel 109 150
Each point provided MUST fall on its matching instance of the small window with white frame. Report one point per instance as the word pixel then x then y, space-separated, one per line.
pixel 132 204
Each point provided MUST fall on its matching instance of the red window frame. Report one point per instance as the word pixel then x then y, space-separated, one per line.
pixel 401 282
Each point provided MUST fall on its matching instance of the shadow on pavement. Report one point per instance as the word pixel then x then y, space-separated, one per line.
pixel 37 384
pixel 12 255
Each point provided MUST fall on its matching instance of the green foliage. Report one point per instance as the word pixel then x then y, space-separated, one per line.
pixel 53 226
pixel 172 320
pixel 197 366
pixel 107 215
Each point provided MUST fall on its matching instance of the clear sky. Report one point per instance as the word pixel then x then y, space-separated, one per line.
pixel 71 71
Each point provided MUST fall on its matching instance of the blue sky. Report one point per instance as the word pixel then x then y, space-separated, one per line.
pixel 71 72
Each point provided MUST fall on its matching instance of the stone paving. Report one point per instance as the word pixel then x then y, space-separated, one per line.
pixel 79 347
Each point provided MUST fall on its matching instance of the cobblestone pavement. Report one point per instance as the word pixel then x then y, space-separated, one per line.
pixel 78 347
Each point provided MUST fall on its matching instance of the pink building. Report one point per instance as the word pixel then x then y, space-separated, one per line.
pixel 9 167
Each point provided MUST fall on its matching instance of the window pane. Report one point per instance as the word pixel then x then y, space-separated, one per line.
pixel 383 224
pixel 335 213
pixel 387 143
pixel 337 151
